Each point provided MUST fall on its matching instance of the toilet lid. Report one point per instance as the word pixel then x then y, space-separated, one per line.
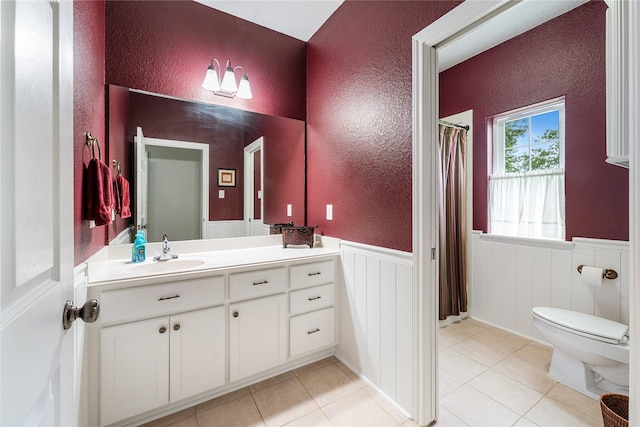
pixel 584 324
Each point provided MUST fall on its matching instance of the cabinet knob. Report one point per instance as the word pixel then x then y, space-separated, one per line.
pixel 162 330
pixel 176 327
pixel 235 314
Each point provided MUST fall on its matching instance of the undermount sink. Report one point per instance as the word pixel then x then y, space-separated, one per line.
pixel 155 267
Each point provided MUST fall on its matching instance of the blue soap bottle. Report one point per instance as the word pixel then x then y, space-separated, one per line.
pixel 138 249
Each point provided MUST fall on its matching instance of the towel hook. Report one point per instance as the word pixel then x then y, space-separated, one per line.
pixel 92 142
pixel 606 274
pixel 116 164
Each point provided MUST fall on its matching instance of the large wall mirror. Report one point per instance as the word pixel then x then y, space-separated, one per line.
pixel 256 167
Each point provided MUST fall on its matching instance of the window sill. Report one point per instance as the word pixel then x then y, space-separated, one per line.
pixel 525 241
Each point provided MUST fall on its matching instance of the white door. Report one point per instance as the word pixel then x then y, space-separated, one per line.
pixel 37 370
pixel 184 176
pixel 254 224
pixel 141 181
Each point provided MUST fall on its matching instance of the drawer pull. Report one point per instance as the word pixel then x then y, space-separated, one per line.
pixel 166 298
pixel 317 273
pixel 264 282
pixel 235 314
pixel 162 330
pixel 312 298
pixel 313 331
pixel 176 327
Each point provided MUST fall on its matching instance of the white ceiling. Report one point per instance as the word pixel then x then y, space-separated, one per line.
pixel 297 18
pixel 515 18
pixel 302 18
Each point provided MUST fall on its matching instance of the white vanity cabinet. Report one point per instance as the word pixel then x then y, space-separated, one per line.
pixel 165 343
pixel 150 363
pixel 257 327
pixel 257 335
pixel 176 351
pixel 312 321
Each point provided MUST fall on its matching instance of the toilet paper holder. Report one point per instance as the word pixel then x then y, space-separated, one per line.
pixel 606 274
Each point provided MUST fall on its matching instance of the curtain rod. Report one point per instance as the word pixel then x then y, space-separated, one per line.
pixel 465 127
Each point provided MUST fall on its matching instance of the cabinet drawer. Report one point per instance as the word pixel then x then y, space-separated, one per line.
pixel 311 274
pixel 256 283
pixel 311 331
pixel 157 300
pixel 310 299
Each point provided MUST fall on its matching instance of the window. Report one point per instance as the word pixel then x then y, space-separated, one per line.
pixel 526 188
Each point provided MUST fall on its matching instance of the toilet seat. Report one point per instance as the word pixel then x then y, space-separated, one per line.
pixel 586 325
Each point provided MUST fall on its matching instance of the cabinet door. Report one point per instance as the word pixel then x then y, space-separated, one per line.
pixel 197 352
pixel 134 369
pixel 257 331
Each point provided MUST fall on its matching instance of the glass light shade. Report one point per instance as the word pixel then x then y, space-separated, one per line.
pixel 244 90
pixel 229 81
pixel 211 80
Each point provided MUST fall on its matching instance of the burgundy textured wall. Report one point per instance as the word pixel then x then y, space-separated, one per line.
pixel 284 168
pixel 88 112
pixel 565 56
pixel 166 46
pixel 359 120
pixel 119 149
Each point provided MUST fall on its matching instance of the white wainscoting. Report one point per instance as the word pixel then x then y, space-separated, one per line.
pixel 510 276
pixel 375 326
pixel 225 229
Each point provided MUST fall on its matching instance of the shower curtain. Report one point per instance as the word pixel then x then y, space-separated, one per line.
pixel 452 216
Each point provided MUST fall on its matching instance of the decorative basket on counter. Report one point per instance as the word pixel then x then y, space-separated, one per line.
pixel 297 235
pixel 277 228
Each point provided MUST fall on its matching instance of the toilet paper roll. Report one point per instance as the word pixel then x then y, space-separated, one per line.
pixel 592 275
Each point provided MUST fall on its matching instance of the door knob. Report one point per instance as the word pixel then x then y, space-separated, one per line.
pixel 89 312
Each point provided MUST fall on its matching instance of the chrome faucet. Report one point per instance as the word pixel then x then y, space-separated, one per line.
pixel 166 251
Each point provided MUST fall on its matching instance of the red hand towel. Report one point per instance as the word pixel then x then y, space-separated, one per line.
pixel 99 199
pixel 117 200
pixel 124 201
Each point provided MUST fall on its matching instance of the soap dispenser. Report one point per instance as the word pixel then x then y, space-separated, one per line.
pixel 138 249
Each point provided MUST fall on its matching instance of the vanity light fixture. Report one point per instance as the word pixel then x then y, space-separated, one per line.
pixel 228 87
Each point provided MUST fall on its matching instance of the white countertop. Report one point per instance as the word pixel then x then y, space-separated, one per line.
pixel 110 270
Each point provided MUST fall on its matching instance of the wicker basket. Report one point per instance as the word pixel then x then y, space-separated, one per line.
pixel 299 235
pixel 615 410
pixel 277 228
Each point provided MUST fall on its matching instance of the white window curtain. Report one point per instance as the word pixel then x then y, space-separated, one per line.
pixel 528 205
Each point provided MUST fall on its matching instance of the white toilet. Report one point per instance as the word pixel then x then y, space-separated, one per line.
pixel 590 354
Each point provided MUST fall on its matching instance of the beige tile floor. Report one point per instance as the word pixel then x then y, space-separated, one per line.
pixel 487 378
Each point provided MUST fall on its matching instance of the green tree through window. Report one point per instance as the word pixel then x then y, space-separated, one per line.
pixel 525 150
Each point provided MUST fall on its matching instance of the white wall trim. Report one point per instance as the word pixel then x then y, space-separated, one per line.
pixel 632 37
pixel 122 238
pixel 525 241
pixel 507 280
pixel 393 255
pixel 616 245
pixel 377 333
